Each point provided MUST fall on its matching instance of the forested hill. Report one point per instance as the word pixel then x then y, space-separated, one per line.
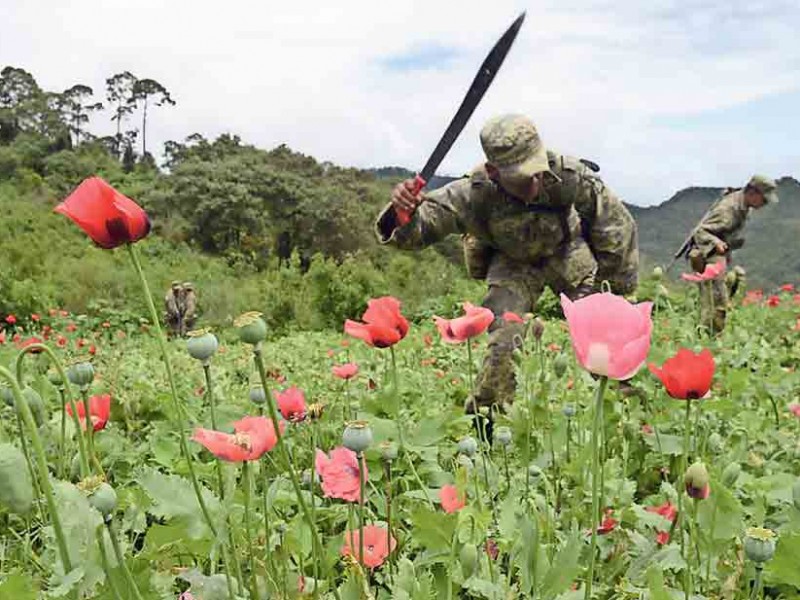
pixel 771 253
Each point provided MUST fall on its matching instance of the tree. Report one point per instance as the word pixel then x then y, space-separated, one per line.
pixel 76 108
pixel 119 92
pixel 149 91
pixel 18 91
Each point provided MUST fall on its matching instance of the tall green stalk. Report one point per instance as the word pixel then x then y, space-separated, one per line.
pixel 248 529
pixel 361 499
pixel 121 560
pixel 177 406
pixel 596 430
pixel 41 462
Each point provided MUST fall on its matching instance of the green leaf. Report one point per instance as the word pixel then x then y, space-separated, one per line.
pixel 565 568
pixel 728 517
pixel 18 586
pixel 655 583
pixel 410 585
pixel 783 566
pixel 174 497
pixel 665 443
pixel 433 530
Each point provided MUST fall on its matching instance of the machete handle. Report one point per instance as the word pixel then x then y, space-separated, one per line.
pixel 404 216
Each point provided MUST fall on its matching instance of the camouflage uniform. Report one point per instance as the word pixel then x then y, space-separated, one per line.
pixel 188 307
pixel 172 311
pixel 725 222
pixel 527 246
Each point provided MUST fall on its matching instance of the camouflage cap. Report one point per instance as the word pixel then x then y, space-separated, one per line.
pixel 513 145
pixel 188 285
pixel 175 284
pixel 767 187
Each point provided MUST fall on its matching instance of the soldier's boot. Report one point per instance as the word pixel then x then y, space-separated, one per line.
pixel 496 383
pixel 735 280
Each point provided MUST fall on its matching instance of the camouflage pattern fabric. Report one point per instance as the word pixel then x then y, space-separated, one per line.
pixel 172 310
pixel 724 223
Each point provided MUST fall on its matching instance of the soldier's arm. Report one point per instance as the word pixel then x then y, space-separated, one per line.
pixel 713 230
pixel 441 213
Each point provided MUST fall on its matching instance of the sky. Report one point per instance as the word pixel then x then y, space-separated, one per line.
pixel 662 94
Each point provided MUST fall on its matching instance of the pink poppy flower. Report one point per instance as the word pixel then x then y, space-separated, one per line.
pixel 345 371
pixel 252 437
pixel 378 545
pixel 451 500
pixel 787 287
pixel 773 301
pixel 2 337
pixel 512 317
pixel 99 411
pixel 11 319
pixel 35 317
pixel 475 321
pixel 292 404
pixel 30 342
pixel 712 271
pixel 610 336
pixel 794 408
pixel 340 474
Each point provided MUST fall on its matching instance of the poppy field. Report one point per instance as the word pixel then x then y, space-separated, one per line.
pixel 641 458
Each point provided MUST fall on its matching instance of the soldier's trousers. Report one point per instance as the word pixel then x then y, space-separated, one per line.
pixel 714 300
pixel 496 383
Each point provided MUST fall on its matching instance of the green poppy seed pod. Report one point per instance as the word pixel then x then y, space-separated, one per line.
pixel 258 395
pixel 35 403
pixel 468 558
pixel 715 442
pixel 759 544
pixel 503 435
pixel 466 462
pixel 658 273
pixel 81 373
pixel 568 410
pixel 388 451
pixel 560 364
pixel 54 377
pixel 467 446
pixel 202 345
pixel 535 472
pixel 7 395
pixel 537 329
pixel 696 481
pixel 16 487
pixel 357 436
pixel 252 328
pixel 731 474
pixel 796 494
pixel 104 499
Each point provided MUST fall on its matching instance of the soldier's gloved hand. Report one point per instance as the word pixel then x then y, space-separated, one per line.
pixel 722 247
pixel 403 197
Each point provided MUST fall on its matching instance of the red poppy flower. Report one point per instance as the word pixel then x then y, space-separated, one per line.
pixel 475 321
pixel 787 287
pixel 291 403
pixel 712 271
pixel 647 428
pixel 773 301
pixel 331 353
pixel 2 337
pixel 382 326
pixel 451 499
pixel 794 408
pixel 662 537
pixel 252 437
pixel 106 325
pixel 378 544
pixel 61 341
pixel 17 337
pixel 608 524
pixel 340 474
pixel 491 548
pixel 345 371
pixel 686 376
pixel 99 411
pixel 667 510
pixel 52 312
pixel 92 349
pixel 11 319
pixel 29 342
pixel 81 343
pixel 35 318
pixel 512 317
pixel 107 216
pixel 427 339
pixel 71 327
pixel 63 313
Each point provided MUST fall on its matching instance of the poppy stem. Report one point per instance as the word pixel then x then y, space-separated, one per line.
pixel 362 495
pixel 757 583
pixel 315 551
pixel 680 487
pixel 104 560
pixel 258 358
pixel 92 455
pixel 388 470
pixel 178 407
pixel 62 442
pixel 24 412
pixel 121 559
pixel 248 484
pixel 596 427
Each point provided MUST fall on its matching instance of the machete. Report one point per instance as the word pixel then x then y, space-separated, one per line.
pixel 489 68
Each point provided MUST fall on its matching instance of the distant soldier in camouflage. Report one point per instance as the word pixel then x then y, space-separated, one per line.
pixel 519 214
pixel 719 233
pixel 172 310
pixel 188 307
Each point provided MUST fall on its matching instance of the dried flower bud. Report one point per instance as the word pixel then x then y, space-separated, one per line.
pixel 537 329
pixel 357 436
pixel 759 544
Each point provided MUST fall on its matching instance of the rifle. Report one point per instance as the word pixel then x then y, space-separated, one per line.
pixel 687 243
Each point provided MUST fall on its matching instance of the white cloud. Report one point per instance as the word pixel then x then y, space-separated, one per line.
pixel 598 77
